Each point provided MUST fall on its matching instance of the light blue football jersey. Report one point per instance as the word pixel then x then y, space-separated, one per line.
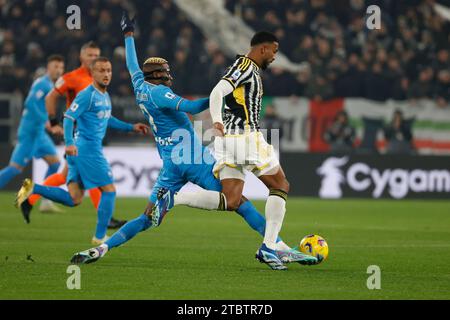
pixel 35 114
pixel 164 110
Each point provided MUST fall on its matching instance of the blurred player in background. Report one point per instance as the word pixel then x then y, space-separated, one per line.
pixel 88 168
pixel 69 85
pixel 33 138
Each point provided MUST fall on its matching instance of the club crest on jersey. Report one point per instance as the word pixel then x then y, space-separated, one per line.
pixel 142 96
pixel 169 95
pixel 74 107
pixel 236 75
pixel 39 94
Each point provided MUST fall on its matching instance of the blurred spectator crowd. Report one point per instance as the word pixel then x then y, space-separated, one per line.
pixel 340 135
pixel 30 30
pixel 408 58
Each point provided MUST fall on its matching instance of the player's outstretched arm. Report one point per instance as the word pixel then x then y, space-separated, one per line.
pixel 120 125
pixel 131 57
pixel 128 26
pixel 117 124
pixel 194 106
pixel 165 98
pixel 222 89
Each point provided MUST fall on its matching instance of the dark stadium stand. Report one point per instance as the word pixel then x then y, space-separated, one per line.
pixel 35 29
pixel 404 59
pixel 407 58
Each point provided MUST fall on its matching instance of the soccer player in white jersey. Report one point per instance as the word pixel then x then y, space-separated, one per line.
pixel 240 145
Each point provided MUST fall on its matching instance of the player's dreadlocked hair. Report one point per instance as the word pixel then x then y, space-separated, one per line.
pixel 155 60
pixel 152 65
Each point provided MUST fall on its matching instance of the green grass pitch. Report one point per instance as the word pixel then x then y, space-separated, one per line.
pixel 210 255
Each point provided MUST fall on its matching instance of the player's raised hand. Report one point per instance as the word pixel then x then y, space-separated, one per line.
pixel 127 24
pixel 218 129
pixel 141 128
pixel 71 150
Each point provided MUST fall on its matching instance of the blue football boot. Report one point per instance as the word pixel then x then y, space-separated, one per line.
pixel 270 257
pixel 89 256
pixel 164 203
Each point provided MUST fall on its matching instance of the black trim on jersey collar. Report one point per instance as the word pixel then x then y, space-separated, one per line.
pixel 244 56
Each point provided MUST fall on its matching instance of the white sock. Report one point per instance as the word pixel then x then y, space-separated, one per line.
pixel 280 245
pixel 202 199
pixel 275 210
pixel 105 248
pixel 46 202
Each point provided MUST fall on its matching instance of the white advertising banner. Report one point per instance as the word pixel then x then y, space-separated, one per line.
pixel 136 170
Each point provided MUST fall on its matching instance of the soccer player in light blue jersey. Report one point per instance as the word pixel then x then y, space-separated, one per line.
pixel 33 139
pixel 88 168
pixel 174 135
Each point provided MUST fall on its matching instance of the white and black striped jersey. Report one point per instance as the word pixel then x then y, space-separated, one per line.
pixel 243 105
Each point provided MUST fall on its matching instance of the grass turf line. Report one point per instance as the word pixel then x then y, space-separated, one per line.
pixel 197 254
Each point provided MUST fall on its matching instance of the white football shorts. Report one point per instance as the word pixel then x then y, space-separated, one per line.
pixel 248 151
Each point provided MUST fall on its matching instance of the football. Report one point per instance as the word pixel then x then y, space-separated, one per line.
pixel 314 245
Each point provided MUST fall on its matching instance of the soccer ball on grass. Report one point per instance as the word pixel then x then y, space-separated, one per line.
pixel 315 246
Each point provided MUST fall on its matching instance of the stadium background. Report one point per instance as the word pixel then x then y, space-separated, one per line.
pixel 198 255
pixel 341 65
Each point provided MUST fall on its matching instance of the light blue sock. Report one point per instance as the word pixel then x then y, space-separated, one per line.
pixel 104 213
pixel 128 231
pixel 7 174
pixel 254 219
pixel 55 194
pixel 52 168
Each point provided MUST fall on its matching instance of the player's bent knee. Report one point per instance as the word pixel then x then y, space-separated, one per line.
pixel 52 160
pixel 77 201
pixel 282 185
pixel 108 188
pixel 77 198
pixel 286 186
pixel 65 171
pixel 233 202
pixel 233 195
pixel 233 206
